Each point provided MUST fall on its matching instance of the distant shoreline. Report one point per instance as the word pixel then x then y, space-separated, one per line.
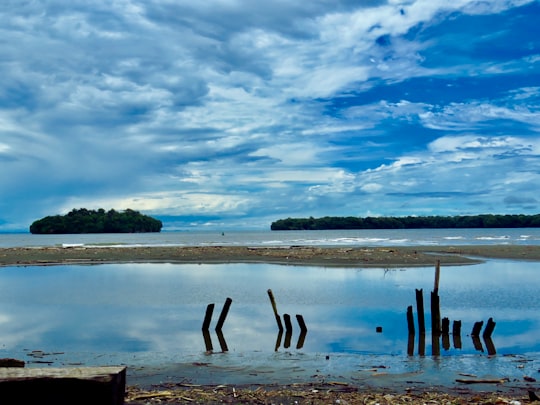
pixel 408 256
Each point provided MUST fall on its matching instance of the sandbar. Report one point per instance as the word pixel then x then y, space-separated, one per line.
pixel 398 256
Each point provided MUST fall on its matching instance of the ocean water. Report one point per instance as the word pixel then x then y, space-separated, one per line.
pixel 369 237
pixel 149 317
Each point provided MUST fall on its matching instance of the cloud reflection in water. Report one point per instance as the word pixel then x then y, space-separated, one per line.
pixel 159 308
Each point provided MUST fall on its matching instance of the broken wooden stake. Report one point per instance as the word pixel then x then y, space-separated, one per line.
pixel 410 320
pixel 208 317
pixel 420 311
pixel 477 328
pixel 288 324
pixel 274 307
pixel 222 341
pixel 301 323
pixel 223 314
pixel 445 328
pixel 207 341
pixel 435 314
pixel 490 346
pixel 410 344
pixel 456 334
pixel 490 327
pixel 437 276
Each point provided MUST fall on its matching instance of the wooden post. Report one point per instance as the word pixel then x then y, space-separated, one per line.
pixel 435 314
pixel 288 324
pixel 278 340
pixel 445 328
pixel 435 321
pixel 222 341
pixel 410 326
pixel 208 317
pixel 477 343
pixel 435 345
pixel 274 307
pixel 223 314
pixel 437 276
pixel 410 320
pixel 207 341
pixel 288 330
pixel 490 327
pixel 456 334
pixel 477 328
pixel 421 344
pixel 301 322
pixel 490 346
pixel 420 311
pixel 303 331
pixel 410 344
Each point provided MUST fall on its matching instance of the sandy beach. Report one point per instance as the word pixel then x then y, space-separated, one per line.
pixel 354 257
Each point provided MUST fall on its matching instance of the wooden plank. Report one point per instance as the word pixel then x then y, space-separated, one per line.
pixel 62 386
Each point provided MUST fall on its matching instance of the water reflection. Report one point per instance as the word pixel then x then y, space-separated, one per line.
pixel 159 308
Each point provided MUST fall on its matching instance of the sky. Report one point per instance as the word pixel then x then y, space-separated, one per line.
pixel 231 114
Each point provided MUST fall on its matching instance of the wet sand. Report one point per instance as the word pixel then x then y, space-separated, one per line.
pixel 409 256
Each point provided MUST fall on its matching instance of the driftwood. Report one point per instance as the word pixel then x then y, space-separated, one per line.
pixel 63 386
pixel 481 381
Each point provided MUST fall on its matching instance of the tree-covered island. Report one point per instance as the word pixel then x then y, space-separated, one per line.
pixel 100 221
pixel 410 222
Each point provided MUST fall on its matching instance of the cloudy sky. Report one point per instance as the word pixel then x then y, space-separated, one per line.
pixel 234 113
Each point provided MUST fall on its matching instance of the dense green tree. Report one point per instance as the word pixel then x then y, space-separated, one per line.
pixel 90 221
pixel 410 222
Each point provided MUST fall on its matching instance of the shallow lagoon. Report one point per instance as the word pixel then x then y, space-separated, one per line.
pixel 150 315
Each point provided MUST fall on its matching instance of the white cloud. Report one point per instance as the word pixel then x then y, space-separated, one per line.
pixel 230 106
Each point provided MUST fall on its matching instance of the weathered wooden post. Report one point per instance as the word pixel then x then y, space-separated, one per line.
pixel 490 346
pixel 288 330
pixel 301 322
pixel 207 341
pixel 205 328
pixel 410 320
pixel 477 343
pixel 274 307
pixel 420 310
pixel 437 276
pixel 456 334
pixel 410 345
pixel 208 317
pixel 223 314
pixel 303 331
pixel 421 322
pixel 222 341
pixel 435 324
pixel 445 328
pixel 436 313
pixel 278 340
pixel 421 344
pixel 410 326
pixel 477 328
pixel 490 327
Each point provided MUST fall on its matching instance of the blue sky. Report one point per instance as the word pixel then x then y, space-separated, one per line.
pixel 235 113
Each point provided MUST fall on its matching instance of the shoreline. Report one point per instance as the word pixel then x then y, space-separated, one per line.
pixel 398 256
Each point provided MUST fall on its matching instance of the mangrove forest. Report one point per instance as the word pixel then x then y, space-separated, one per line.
pixel 410 222
pixel 100 221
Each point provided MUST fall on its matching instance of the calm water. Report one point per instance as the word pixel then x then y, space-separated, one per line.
pixel 140 313
pixel 370 237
